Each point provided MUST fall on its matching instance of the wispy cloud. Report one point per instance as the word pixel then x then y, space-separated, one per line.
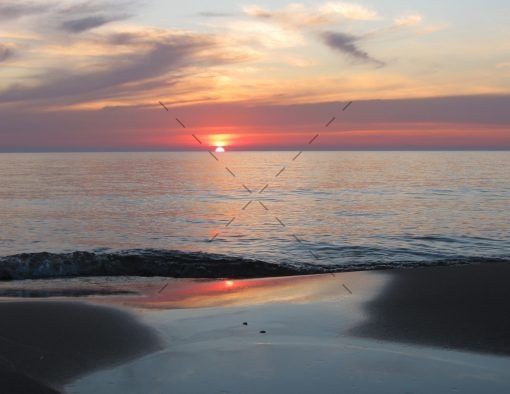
pixel 408 20
pixel 13 9
pixel 89 22
pixel 130 66
pixel 6 52
pixel 347 44
pixel 411 23
pixel 160 57
pixel 87 15
pixel 304 20
pixel 265 34
pixel 71 17
pixel 350 11
pixel 328 13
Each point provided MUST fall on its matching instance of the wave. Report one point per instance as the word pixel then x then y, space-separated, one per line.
pixel 180 264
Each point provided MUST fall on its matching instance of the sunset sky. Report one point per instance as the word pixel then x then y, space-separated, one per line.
pixel 89 75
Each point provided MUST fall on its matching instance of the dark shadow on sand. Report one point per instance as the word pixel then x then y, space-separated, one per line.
pixel 458 307
pixel 44 345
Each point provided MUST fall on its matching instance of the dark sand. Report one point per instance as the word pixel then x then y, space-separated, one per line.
pixel 47 293
pixel 459 307
pixel 44 345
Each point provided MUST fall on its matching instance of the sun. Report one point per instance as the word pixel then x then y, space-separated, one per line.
pixel 220 149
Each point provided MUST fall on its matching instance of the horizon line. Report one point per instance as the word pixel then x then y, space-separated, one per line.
pixel 148 150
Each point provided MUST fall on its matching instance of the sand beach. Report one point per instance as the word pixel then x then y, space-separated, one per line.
pixel 420 330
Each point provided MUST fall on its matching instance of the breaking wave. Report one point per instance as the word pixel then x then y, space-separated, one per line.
pixel 180 264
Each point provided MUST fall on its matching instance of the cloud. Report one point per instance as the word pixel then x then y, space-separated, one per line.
pixel 327 14
pixel 6 52
pixel 17 9
pixel 408 20
pixel 346 44
pixel 148 60
pixel 257 12
pixel 350 11
pixel 71 17
pixel 80 17
pixel 475 121
pixel 87 23
pixel 269 35
pixel 405 24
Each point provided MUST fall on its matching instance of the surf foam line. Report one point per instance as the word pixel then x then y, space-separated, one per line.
pixel 180 264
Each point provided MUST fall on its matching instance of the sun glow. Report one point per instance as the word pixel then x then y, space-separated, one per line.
pixel 220 149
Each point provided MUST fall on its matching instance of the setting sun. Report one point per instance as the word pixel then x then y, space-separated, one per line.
pixel 220 149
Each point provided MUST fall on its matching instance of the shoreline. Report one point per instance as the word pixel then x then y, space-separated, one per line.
pixel 179 264
pixel 365 331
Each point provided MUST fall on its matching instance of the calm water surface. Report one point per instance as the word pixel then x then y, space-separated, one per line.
pixel 337 207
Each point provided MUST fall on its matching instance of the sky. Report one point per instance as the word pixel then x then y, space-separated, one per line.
pixel 90 75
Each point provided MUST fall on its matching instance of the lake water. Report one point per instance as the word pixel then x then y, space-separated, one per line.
pixel 336 208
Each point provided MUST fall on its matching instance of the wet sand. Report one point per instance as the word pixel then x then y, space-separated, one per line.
pixel 324 334
pixel 44 345
pixel 441 329
pixel 462 307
